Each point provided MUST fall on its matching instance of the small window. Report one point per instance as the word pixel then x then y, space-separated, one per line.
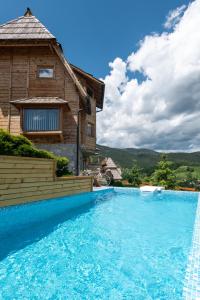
pixel 41 119
pixel 90 92
pixel 45 72
pixel 90 130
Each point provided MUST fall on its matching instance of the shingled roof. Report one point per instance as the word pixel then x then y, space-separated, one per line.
pixel 109 166
pixel 25 27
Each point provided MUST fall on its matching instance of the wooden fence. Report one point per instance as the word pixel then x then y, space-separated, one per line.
pixel 24 179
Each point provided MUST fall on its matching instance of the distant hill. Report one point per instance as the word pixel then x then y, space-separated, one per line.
pixel 147 159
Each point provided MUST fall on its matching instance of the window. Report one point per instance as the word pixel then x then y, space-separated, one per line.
pixel 41 119
pixel 45 72
pixel 90 130
pixel 90 92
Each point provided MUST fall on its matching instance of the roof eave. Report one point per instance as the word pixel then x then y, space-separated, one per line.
pixel 100 101
pixel 13 42
pixel 20 105
pixel 100 105
pixel 86 74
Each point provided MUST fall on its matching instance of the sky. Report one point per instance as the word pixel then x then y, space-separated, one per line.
pixel 93 33
pixel 147 53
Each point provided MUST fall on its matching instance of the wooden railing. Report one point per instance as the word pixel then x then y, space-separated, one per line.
pixel 25 180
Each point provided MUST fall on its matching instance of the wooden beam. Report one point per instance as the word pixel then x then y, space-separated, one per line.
pixel 22 43
pixel 21 112
pixel 28 75
pixel 10 91
pixel 51 48
pixel 70 72
pixel 59 132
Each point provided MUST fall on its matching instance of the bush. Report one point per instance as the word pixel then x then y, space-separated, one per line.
pixel 133 175
pixel 21 146
pixel 26 150
pixel 164 174
pixel 62 166
pixel 117 183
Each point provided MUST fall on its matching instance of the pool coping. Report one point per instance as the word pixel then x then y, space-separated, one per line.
pixel 103 188
pixel 191 289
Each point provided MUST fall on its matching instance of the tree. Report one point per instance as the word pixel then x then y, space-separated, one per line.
pixel 132 175
pixel 190 179
pixel 164 175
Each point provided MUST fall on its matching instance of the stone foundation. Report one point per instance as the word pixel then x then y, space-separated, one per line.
pixel 68 150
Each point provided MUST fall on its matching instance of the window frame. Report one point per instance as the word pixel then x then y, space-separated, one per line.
pixel 39 67
pixel 43 108
pixel 92 135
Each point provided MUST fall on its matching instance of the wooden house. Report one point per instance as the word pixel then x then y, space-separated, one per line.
pixel 42 95
pixel 109 168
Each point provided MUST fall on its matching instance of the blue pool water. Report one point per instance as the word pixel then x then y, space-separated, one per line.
pixel 104 245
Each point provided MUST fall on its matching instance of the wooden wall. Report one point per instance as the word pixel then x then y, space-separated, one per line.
pixel 88 141
pixel 18 79
pixel 25 180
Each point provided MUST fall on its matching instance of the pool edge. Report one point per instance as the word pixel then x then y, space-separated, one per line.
pixel 191 288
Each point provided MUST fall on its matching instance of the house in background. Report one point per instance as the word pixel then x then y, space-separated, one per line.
pixel 42 96
pixel 109 168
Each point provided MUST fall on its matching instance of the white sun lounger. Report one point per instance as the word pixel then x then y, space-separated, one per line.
pixel 151 189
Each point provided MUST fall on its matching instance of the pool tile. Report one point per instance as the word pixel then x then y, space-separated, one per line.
pixel 191 290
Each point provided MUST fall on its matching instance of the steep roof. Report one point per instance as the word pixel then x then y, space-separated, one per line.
pixel 29 28
pixel 25 27
pixel 110 163
pixel 115 173
pixel 110 167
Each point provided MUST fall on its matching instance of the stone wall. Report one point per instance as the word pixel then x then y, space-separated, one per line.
pixel 68 150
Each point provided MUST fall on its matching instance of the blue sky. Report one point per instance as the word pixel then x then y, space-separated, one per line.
pixel 93 33
pixel 147 53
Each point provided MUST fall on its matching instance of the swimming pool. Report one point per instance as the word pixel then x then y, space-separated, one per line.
pixel 115 244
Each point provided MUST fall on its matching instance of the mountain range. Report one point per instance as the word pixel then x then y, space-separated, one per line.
pixel 146 158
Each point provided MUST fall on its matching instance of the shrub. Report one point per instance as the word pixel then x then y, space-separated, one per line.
pixel 21 146
pixel 117 183
pixel 133 175
pixel 25 150
pixel 20 140
pixel 6 148
pixel 62 166
pixel 164 174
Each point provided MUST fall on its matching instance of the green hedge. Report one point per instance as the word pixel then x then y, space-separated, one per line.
pixel 21 146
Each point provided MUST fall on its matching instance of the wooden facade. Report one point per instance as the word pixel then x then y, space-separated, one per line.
pixel 26 47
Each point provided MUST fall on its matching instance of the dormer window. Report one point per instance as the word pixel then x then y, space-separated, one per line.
pixel 45 72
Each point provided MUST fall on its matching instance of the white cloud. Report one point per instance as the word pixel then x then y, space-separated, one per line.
pixel 163 111
pixel 174 16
